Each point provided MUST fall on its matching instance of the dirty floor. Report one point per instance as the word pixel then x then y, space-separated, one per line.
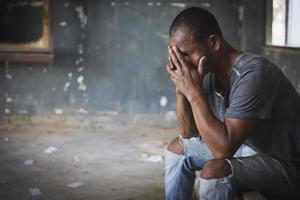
pixel 120 162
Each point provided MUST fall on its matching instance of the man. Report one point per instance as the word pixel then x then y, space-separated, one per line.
pixel 226 98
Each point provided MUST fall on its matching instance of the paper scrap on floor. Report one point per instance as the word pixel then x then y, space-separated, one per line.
pixel 28 162
pixel 75 184
pixel 51 150
pixel 151 158
pixel 35 191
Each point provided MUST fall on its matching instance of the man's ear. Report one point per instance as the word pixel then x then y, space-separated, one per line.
pixel 214 43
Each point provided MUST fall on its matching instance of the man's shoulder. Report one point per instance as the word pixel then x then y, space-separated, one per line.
pixel 249 63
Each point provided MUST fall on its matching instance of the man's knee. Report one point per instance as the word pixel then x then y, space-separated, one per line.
pixel 175 147
pixel 215 168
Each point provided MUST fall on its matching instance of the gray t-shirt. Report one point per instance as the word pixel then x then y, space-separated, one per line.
pixel 257 89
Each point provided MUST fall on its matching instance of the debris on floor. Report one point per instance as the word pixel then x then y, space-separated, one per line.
pixel 151 158
pixel 77 159
pixel 50 150
pixel 73 163
pixel 75 184
pixel 28 162
pixel 35 191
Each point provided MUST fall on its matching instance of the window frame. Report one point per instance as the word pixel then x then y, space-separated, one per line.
pixel 268 35
pixel 40 51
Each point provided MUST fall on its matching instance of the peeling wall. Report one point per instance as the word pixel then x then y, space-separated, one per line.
pixel 110 56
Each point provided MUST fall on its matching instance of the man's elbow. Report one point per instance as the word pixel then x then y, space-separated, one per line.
pixel 223 154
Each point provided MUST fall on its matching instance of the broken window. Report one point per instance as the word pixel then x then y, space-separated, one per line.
pixel 25 34
pixel 282 27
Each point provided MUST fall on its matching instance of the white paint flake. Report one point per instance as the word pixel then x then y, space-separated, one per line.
pixel 179 5
pixel 79 60
pixel 80 69
pixel 81 15
pixel 9 100
pixel 163 101
pixel 66 87
pixel 80 79
pixel 80 49
pixel 7 111
pixel 58 111
pixel 82 86
pixel 63 23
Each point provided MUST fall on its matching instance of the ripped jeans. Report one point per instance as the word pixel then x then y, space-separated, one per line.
pixel 258 172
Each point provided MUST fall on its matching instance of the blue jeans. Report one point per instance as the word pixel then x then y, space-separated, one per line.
pixel 252 171
pixel 180 173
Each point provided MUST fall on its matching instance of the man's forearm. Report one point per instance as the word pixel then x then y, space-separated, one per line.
pixel 212 131
pixel 185 116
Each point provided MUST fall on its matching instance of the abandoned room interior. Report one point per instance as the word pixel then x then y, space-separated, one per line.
pixel 87 107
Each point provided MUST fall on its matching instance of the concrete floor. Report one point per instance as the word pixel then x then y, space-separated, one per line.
pixel 106 160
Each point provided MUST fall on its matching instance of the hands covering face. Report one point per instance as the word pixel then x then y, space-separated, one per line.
pixel 185 77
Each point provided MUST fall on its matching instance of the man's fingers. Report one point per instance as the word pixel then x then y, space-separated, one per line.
pixel 168 66
pixel 179 56
pixel 173 67
pixel 174 59
pixel 173 75
pixel 170 71
pixel 201 65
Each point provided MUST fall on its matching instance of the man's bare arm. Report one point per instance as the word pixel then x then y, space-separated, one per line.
pixel 185 116
pixel 184 112
pixel 222 138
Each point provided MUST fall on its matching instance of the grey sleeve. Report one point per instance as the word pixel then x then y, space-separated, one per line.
pixel 253 95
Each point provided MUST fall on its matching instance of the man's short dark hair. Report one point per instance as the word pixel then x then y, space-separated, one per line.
pixel 199 21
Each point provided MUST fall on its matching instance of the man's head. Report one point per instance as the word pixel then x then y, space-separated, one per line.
pixel 196 32
pixel 198 21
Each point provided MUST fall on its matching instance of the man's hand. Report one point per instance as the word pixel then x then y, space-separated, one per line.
pixel 186 78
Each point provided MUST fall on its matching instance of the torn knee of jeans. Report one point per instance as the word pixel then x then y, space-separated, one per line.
pixel 215 168
pixel 175 147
